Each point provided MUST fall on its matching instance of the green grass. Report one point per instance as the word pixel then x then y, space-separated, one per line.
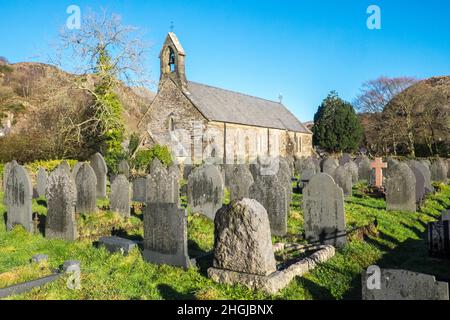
pixel 400 244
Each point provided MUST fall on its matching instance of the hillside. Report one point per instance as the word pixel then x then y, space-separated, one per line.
pixel 28 90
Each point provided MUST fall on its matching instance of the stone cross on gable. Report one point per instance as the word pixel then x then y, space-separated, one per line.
pixel 378 165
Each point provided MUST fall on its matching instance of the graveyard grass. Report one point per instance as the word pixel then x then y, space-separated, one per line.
pixel 401 243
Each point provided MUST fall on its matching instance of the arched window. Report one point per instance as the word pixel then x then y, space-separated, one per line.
pixel 171 123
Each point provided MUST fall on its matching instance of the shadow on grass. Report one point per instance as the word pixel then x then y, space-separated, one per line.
pixel 169 293
pixel 317 292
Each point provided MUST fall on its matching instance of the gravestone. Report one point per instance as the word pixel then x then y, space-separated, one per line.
pixel 120 198
pixel 352 169
pixel 364 169
pixel 64 165
pixel 404 285
pixel 439 171
pixel 161 187
pixel 205 190
pixel 165 234
pixel 6 171
pixel 420 180
pixel 400 189
pixel 329 165
pixel 344 159
pixel 425 172
pixel 85 182
pixel 174 170
pixel 448 168
pixel 187 168
pixel 240 180
pixel 41 182
pixel 426 163
pixel 343 179
pixel 124 168
pixel 100 168
pixel 139 189
pixel 18 195
pixel 323 210
pixel 175 176
pixel 284 175
pixel 298 165
pixel 116 244
pixel 61 196
pixel 75 169
pixel 307 170
pixel 439 239
pixel 269 192
pixel 244 226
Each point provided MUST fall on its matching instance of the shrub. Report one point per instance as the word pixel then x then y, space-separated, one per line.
pixel 144 158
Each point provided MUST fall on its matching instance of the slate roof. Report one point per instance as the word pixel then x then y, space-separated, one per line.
pixel 228 106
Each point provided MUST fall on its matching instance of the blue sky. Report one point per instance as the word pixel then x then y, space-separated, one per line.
pixel 302 49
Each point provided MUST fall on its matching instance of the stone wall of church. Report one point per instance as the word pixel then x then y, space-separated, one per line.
pixel 173 120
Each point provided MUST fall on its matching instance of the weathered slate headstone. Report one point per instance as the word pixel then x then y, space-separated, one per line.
pixel 244 226
pixel 120 198
pixel 61 196
pixel 64 165
pixel 418 165
pixel 100 168
pixel 439 171
pixel 352 169
pixel 401 189
pixel 240 180
pixel 6 171
pixel 420 181
pixel 329 165
pixel 116 244
pixel 85 182
pixel 404 285
pixel 165 234
pixel 344 159
pixel 124 168
pixel 364 168
pixel 205 190
pixel 139 189
pixel 439 239
pixel 268 191
pixel 343 179
pixel 323 210
pixel 18 195
pixel 41 182
pixel 75 169
pixel 284 175
pixel 161 187
pixel 307 170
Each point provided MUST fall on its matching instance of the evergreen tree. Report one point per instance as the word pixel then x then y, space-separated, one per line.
pixel 336 126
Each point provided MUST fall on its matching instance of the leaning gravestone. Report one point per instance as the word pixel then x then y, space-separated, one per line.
pixel 120 198
pixel 205 190
pixel 439 171
pixel 61 196
pixel 18 195
pixel 243 226
pixel 420 181
pixel 364 169
pixel 101 170
pixel 85 182
pixel 268 191
pixel 343 179
pixel 400 189
pixel 240 180
pixel 124 168
pixel 329 165
pixel 161 187
pixel 352 169
pixel 41 182
pixel 403 285
pixel 323 210
pixel 139 189
pixel 165 234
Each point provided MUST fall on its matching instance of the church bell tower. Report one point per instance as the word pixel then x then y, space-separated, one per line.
pixel 172 61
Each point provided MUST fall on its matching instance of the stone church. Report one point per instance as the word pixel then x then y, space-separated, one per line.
pixel 198 121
